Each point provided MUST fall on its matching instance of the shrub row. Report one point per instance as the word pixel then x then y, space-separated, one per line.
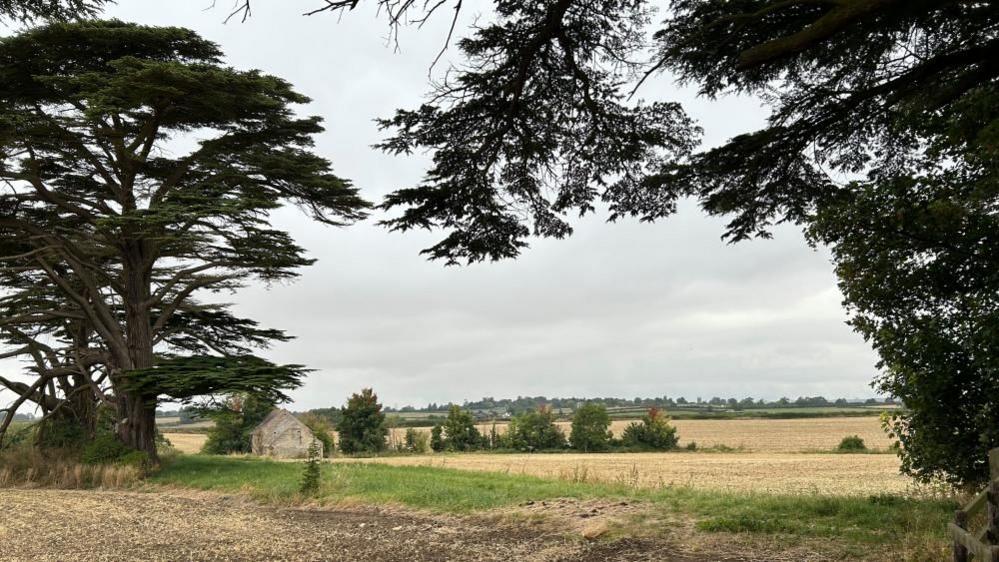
pixel 537 431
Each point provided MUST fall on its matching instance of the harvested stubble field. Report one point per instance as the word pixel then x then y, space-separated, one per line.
pixel 751 435
pixel 777 435
pixel 769 473
pixel 61 525
pixel 189 443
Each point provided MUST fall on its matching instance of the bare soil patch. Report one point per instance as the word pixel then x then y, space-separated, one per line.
pixel 111 526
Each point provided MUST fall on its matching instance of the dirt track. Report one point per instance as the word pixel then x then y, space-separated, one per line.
pixel 83 525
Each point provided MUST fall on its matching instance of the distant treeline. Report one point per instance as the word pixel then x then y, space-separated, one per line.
pixel 186 415
pixel 522 404
pixel 491 408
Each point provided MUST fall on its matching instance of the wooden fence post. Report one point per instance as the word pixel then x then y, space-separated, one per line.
pixel 993 504
pixel 992 514
pixel 960 551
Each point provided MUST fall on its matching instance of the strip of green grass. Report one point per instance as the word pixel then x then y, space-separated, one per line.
pixel 433 489
pixel 861 520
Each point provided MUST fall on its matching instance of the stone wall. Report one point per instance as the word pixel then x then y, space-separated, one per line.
pixel 282 435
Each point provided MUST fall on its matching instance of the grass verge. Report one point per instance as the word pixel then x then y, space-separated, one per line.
pixel 914 525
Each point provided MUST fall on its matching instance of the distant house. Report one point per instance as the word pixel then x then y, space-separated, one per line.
pixel 282 435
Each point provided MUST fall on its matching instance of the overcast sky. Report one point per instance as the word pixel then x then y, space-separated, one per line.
pixel 621 309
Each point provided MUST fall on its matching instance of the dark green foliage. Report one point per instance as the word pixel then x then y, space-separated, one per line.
pixel 437 438
pixel 59 433
pixel 362 424
pixel 183 378
pixel 843 87
pixel 856 80
pixel 916 259
pixel 119 233
pixel 25 11
pixel 533 431
pixel 460 433
pixel 235 419
pixel 652 432
pixel 138 459
pixel 495 440
pixel 106 448
pixel 322 429
pixel 417 441
pixel 311 472
pixel 851 443
pixel 590 428
pixel 330 415
pixel 535 129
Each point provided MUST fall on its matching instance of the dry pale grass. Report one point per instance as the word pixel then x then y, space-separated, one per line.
pixel 755 435
pixel 29 468
pixel 189 443
pixel 774 473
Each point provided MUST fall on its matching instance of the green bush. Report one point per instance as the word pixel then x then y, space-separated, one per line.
pixel 437 438
pixel 322 429
pixel 311 473
pixel 105 449
pixel 496 440
pixel 235 421
pixel 362 424
pixel 138 459
pixel 590 428
pixel 59 433
pixel 417 441
pixel 851 443
pixel 533 431
pixel 460 433
pixel 652 432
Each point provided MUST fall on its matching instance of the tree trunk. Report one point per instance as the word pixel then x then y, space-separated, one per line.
pixel 137 413
pixel 82 405
pixel 137 425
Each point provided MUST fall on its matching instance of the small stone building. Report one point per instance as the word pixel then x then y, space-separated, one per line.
pixel 282 435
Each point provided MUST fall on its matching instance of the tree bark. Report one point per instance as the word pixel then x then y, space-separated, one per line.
pixel 137 425
pixel 137 412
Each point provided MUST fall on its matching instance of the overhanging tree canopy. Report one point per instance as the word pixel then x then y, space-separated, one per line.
pixel 534 128
pixel 24 11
